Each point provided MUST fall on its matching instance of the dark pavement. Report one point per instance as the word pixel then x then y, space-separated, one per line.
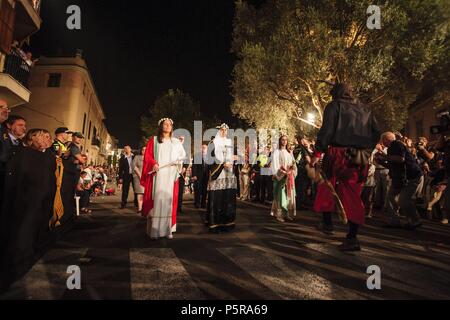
pixel 261 259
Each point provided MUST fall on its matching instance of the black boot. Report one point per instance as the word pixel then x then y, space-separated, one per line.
pixel 350 245
pixel 326 226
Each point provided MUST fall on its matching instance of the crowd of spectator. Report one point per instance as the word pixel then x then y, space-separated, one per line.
pixel 405 178
pixel 42 179
pixel 40 182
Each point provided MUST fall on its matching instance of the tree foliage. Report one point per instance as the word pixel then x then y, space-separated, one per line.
pixel 288 49
pixel 174 104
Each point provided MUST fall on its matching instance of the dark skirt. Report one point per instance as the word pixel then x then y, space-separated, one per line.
pixel 221 214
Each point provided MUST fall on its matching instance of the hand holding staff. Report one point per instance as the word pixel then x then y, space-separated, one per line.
pixel 173 163
pixel 316 173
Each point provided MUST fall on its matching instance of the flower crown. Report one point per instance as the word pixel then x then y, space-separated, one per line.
pixel 164 119
pixel 223 126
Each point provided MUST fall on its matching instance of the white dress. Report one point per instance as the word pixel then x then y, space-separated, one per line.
pixel 159 223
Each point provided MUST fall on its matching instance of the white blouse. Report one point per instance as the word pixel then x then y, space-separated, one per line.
pixel 281 158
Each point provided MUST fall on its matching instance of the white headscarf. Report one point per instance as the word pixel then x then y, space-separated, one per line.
pixel 223 148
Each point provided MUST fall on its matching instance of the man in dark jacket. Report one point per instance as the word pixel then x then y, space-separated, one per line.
pixel 349 132
pixel 200 178
pixel 126 174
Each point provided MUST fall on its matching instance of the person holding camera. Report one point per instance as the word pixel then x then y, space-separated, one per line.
pixel 443 145
pixel 406 176
pixel 424 153
pixel 427 160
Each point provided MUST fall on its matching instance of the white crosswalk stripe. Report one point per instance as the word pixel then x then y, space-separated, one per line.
pixel 157 274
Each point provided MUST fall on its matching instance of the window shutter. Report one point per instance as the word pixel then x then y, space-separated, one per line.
pixel 7 18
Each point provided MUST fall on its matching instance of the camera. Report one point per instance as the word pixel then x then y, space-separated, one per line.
pixel 444 123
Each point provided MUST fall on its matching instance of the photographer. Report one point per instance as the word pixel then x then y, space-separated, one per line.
pixel 424 153
pixel 443 145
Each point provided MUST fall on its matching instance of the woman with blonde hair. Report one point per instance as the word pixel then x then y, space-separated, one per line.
pixel 38 139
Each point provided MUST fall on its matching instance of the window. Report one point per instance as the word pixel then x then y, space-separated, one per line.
pixel 7 17
pixel 84 123
pixel 54 80
pixel 89 133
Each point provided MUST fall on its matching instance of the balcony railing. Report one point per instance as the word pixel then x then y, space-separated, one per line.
pixel 17 67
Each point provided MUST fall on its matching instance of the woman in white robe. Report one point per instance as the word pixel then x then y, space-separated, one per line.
pixel 284 172
pixel 162 165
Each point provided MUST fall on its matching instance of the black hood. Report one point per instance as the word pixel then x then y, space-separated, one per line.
pixel 342 91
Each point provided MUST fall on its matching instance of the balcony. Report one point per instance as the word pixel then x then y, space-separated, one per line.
pixel 28 20
pixel 14 80
pixel 17 67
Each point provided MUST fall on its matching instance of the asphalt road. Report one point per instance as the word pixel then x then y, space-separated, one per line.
pixel 261 259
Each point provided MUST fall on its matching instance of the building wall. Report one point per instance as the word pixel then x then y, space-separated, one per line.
pixel 421 118
pixel 67 105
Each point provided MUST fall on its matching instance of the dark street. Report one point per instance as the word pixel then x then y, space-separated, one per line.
pixel 261 259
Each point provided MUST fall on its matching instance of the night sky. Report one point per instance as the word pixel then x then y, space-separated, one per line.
pixel 137 50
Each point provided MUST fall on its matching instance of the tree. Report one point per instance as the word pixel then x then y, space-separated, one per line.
pixel 288 51
pixel 174 104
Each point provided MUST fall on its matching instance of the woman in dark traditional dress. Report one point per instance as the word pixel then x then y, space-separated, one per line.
pixel 222 186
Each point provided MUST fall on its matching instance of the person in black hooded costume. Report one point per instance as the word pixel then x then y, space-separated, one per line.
pixel 348 136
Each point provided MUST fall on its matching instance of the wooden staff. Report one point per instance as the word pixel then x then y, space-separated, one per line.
pixel 316 174
pixel 173 163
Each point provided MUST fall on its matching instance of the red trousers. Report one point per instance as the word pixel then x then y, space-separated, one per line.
pixel 348 182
